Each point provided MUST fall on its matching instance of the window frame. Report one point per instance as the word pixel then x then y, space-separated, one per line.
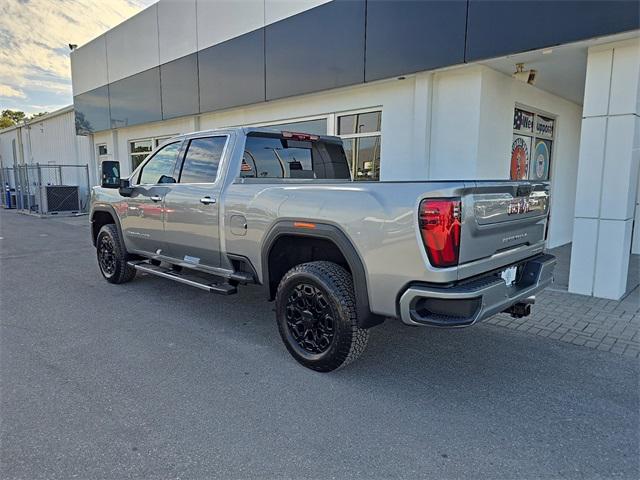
pixel 355 136
pixel 137 174
pixel 534 136
pixel 156 142
pixel 106 149
pixel 309 118
pixel 182 156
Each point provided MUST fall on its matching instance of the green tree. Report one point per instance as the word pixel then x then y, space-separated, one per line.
pixel 16 116
pixel 36 115
pixel 9 118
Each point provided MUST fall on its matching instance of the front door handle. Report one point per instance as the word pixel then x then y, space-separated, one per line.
pixel 207 200
pixel 156 198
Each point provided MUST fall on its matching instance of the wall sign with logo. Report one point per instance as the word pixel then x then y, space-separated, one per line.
pixel 523 121
pixel 532 144
pixel 520 155
pixel 541 156
pixel 544 126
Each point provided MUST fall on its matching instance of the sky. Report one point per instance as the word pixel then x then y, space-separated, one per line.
pixel 35 73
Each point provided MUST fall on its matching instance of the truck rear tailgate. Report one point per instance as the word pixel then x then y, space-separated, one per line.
pixel 500 217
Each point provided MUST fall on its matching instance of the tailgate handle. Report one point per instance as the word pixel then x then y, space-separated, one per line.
pixel 524 190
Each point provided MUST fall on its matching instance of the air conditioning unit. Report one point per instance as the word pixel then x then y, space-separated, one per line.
pixel 60 198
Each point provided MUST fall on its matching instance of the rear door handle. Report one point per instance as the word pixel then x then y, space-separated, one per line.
pixel 156 198
pixel 207 200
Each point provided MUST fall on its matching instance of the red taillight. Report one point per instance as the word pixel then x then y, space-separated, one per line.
pixel 440 229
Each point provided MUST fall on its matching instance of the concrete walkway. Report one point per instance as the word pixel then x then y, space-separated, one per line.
pixel 587 321
pixel 561 273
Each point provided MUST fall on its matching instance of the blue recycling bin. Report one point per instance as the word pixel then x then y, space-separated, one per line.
pixel 7 197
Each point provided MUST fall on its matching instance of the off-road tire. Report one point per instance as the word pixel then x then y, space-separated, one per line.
pixel 336 287
pixel 121 271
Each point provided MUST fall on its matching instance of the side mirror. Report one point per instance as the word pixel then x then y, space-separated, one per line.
pixel 110 174
pixel 125 189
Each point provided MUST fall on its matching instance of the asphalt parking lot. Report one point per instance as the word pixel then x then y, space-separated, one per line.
pixel 158 380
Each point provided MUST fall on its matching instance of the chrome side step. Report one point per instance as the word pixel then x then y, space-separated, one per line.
pixel 182 277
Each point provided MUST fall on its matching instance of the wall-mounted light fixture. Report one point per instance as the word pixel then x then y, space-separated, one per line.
pixel 526 76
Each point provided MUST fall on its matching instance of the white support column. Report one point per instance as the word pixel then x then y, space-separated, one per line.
pixel 422 109
pixel 607 171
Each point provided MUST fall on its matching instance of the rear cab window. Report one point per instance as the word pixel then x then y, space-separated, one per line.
pixel 294 156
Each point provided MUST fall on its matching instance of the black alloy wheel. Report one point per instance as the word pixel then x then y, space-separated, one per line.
pixel 112 256
pixel 310 319
pixel 316 315
pixel 106 256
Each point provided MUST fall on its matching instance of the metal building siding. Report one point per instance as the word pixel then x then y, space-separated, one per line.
pixel 53 140
pixel 50 141
pixel 6 147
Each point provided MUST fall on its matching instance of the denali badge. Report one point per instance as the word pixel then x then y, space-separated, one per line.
pixel 511 238
pixel 518 207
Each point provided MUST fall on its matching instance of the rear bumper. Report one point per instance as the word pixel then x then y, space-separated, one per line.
pixel 468 302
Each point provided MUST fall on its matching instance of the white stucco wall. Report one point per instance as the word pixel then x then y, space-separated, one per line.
pixel 472 131
pixel 455 124
pixel 394 97
pixel 500 94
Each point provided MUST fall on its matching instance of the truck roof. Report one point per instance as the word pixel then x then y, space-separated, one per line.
pixel 248 130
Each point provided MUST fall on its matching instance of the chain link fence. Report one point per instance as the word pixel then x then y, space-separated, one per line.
pixel 46 189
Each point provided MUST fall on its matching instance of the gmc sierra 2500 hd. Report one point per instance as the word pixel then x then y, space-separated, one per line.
pixel 222 208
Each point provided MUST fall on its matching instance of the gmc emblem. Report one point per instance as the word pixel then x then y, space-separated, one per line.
pixel 518 207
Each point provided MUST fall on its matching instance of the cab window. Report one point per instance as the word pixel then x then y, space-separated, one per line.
pixel 202 159
pixel 268 155
pixel 159 168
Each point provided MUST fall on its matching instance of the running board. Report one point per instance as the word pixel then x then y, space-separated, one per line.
pixel 181 277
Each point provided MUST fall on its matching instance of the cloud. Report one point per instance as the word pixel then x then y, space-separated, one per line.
pixel 10 92
pixel 34 38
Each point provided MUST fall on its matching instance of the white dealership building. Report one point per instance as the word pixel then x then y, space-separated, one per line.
pixel 418 90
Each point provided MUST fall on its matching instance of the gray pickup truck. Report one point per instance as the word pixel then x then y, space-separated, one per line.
pixel 223 208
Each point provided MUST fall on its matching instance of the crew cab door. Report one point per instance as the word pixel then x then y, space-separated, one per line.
pixel 143 222
pixel 192 228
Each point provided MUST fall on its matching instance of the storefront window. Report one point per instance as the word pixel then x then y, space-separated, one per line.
pixel 360 133
pixel 532 145
pixel 139 149
pixel 315 127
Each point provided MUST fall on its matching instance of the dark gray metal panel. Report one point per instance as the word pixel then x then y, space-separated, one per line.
pixel 136 99
pixel 318 49
pixel 92 111
pixel 232 73
pixel 179 85
pixel 498 27
pixel 406 36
